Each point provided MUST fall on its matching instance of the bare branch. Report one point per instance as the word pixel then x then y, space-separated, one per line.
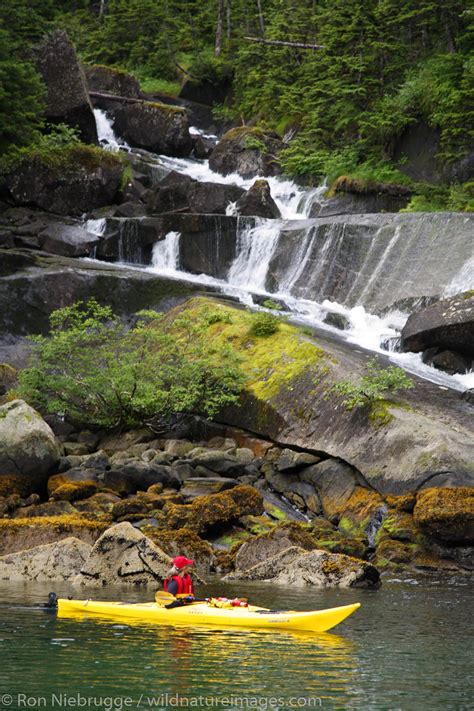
pixel 282 43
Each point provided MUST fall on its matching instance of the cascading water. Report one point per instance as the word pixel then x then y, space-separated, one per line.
pixel 106 134
pixel 255 247
pixel 354 265
pixel 165 255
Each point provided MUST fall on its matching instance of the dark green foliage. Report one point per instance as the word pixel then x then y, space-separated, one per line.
pixel 21 97
pixel 264 324
pixel 386 64
pixel 95 370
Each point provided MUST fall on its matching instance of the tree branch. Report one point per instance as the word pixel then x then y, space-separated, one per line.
pixel 282 43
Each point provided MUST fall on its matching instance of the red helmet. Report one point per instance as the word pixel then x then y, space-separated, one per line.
pixel 181 562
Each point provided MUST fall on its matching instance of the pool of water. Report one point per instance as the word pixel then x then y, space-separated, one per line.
pixel 408 647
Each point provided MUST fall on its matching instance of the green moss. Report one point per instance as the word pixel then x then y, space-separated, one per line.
pixel 270 364
pixel 275 512
pixel 165 108
pixel 65 159
pixel 379 413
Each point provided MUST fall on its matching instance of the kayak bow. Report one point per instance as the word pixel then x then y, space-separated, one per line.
pixel 202 613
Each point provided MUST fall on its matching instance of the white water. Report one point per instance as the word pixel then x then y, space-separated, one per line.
pixel 165 255
pixel 106 134
pixel 255 248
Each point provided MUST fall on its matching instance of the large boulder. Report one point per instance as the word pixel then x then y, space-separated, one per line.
pixel 267 545
pixel 67 95
pixel 28 449
pixel 447 513
pixel 155 127
pixel 247 151
pixel 54 282
pixel 215 512
pixel 351 196
pixel 57 561
pixel 109 80
pixel 180 193
pixel 296 567
pixel 67 240
pixel 124 555
pixel 71 181
pixel 258 201
pixel 446 324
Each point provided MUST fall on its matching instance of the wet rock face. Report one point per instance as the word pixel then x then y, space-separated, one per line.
pixel 61 560
pixel 258 202
pixel 446 325
pixel 112 81
pixel 124 555
pixel 155 127
pixel 28 449
pixel 67 96
pixel 296 567
pixel 246 151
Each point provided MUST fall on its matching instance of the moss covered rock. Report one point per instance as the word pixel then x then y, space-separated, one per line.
pixel 207 514
pixel 297 567
pixel 28 449
pixel 247 151
pixel 447 513
pixel 156 127
pixel 67 181
pixel 75 490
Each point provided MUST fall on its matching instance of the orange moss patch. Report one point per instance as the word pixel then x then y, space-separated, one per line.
pixel 447 513
pixel 74 491
pixel 357 511
pixel 214 510
pixel 404 502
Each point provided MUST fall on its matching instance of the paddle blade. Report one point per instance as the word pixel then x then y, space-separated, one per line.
pixel 163 598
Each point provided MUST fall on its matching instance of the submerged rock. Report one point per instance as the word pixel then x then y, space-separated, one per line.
pixel 61 560
pixel 297 567
pixel 28 449
pixel 124 555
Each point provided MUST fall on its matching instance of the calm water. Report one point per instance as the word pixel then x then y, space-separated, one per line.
pixel 408 647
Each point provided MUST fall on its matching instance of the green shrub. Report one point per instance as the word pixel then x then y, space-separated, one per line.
pixel 96 372
pixel 373 386
pixel 272 305
pixel 264 324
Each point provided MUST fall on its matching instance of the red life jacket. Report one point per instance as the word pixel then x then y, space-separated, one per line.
pixel 184 583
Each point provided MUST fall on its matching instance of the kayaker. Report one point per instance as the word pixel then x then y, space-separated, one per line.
pixel 179 581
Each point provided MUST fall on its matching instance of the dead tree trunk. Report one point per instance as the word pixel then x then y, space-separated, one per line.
pixel 219 28
pixel 282 43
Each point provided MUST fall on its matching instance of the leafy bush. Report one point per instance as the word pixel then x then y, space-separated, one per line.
pixel 372 386
pixel 95 371
pixel 59 135
pixel 264 324
pixel 272 305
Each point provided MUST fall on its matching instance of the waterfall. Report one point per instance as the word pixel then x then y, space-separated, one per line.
pixel 165 255
pixel 371 269
pixel 463 280
pixel 255 246
pixel 96 227
pixel 106 134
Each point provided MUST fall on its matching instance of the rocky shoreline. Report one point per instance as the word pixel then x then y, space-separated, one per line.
pixel 106 508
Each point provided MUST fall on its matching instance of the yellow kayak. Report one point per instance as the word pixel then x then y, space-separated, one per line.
pixel 201 613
